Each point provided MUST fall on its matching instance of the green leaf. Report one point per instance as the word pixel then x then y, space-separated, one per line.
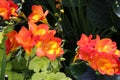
pixel 14 75
pixel 8 66
pixel 32 53
pixel 38 64
pixel 39 76
pixel 9 28
pixel 56 65
pixel 61 76
pixel 67 4
pixel 50 76
pixel 18 65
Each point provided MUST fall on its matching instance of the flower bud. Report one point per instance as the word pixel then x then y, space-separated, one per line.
pixel 61 10
pixel 56 14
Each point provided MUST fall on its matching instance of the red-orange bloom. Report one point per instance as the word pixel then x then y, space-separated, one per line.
pixel 4 9
pixel 25 39
pixel 13 8
pixel 106 45
pixel 86 47
pixel 47 45
pixel 7 9
pixel 41 30
pixel 86 53
pixel 49 48
pixel 106 64
pixel 87 41
pixel 101 54
pixel 38 14
pixel 11 43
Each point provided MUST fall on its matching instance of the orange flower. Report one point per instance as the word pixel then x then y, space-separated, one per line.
pixel 86 47
pixel 41 30
pixel 25 39
pixel 106 45
pixel 86 53
pixel 47 45
pixel 86 41
pixel 106 64
pixel 101 54
pixel 13 8
pixel 11 42
pixel 49 48
pixel 7 9
pixel 4 9
pixel 38 14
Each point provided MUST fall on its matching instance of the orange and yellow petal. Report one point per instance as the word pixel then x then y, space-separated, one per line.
pixel 38 14
pixel 50 47
pixel 40 52
pixel 13 8
pixel 11 42
pixel 105 64
pixel 101 54
pixel 25 39
pixel 83 40
pixel 106 45
pixel 40 30
pixel 7 9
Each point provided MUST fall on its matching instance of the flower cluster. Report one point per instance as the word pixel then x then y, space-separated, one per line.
pixel 29 50
pixel 38 36
pixel 101 54
pixel 36 47
pixel 8 9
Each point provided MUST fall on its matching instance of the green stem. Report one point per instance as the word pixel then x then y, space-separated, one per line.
pixel 78 63
pixel 3 63
pixel 27 67
pixel 28 62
